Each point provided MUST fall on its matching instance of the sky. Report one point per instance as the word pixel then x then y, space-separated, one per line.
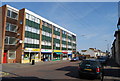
pixel 94 23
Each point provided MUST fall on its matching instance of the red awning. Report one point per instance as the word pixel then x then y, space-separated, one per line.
pixel 65 52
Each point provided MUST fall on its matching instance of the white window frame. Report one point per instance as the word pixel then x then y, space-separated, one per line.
pixel 9 54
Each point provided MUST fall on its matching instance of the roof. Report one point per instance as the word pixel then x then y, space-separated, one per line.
pixel 44 19
pixel 83 50
pixel 8 6
pixel 36 15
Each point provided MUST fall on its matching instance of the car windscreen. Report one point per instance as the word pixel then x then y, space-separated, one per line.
pixel 102 58
pixel 87 62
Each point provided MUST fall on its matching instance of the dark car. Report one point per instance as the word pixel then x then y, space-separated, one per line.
pixel 75 59
pixel 102 59
pixel 91 68
pixel 82 57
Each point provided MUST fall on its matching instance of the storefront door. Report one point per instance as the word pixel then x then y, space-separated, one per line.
pixel 5 58
pixel 32 55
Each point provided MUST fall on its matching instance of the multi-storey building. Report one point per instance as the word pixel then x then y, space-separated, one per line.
pixel 26 36
pixel 116 43
pixel 93 52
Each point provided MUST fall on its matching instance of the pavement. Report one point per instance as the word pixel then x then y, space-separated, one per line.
pixel 54 71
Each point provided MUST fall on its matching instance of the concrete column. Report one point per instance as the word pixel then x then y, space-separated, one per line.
pixel 52 42
pixel 39 55
pixel 3 13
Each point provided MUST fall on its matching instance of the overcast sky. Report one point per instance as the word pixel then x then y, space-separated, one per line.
pixel 92 22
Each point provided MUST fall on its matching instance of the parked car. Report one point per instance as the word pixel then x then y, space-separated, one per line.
pixel 90 67
pixel 75 59
pixel 102 59
pixel 82 57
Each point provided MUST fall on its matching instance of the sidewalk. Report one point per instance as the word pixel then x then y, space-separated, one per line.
pixel 112 64
pixel 23 65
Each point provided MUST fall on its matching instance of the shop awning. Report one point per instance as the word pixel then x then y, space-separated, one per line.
pixel 58 53
pixel 46 52
pixel 69 54
pixel 65 52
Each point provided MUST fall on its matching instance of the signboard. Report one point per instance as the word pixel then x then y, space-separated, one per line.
pixel 69 52
pixel 32 50
pixel 46 50
pixel 57 51
pixel 64 51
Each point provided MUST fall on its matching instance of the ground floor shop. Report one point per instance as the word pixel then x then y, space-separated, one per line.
pixel 46 56
pixel 28 56
pixel 9 56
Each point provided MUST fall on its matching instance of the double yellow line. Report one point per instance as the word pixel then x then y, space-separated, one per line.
pixel 3 74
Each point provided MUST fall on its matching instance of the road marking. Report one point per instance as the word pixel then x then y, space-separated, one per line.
pixel 110 77
pixel 3 74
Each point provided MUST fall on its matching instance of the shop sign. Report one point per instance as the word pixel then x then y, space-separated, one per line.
pixel 31 49
pixel 69 52
pixel 35 49
pixel 64 51
pixel 57 51
pixel 45 50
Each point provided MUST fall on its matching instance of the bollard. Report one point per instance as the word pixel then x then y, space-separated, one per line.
pixel 33 62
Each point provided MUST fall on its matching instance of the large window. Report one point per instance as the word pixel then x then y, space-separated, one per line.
pixel 12 14
pixel 32 18
pixel 11 27
pixel 12 54
pixel 10 40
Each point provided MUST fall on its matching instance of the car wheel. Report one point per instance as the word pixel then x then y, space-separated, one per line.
pixel 80 75
pixel 100 77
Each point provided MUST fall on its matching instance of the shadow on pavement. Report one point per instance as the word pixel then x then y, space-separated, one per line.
pixel 23 79
pixel 73 72
pixel 112 72
pixel 111 62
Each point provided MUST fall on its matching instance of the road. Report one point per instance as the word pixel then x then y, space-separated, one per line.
pixel 54 71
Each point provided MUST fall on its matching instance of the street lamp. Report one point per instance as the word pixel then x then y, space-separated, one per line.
pixel 118 26
pixel 107 46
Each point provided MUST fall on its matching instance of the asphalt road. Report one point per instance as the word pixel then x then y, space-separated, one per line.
pixel 53 71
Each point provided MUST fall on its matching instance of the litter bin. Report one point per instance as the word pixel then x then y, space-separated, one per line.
pixel 33 61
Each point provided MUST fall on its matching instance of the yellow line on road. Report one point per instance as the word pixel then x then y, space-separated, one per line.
pixel 3 74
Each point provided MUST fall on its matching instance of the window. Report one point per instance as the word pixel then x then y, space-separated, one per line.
pixel 12 54
pixel 7 26
pixel 26 56
pixel 11 27
pixel 6 40
pixel 38 21
pixel 27 16
pixel 10 40
pixel 12 14
pixel 8 13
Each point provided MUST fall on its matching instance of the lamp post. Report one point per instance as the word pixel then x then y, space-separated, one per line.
pixel 107 46
pixel 118 26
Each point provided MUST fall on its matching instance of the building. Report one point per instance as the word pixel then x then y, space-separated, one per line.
pixel 116 44
pixel 26 36
pixel 116 47
pixel 93 52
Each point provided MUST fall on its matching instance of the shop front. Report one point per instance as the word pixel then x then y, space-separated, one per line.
pixel 69 55
pixel 65 55
pixel 57 55
pixel 9 56
pixel 46 55
pixel 30 54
